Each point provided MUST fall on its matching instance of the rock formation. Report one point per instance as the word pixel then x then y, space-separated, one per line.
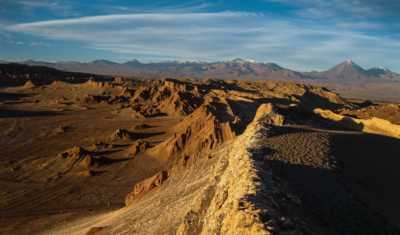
pixel 373 125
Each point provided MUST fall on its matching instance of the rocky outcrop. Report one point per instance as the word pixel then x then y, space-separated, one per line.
pixel 373 125
pixel 367 110
pixel 146 185
pixel 106 99
pixel 266 114
pixel 138 147
pixel 29 85
pixel 77 160
pixel 170 97
pixel 96 84
pixel 319 98
pixel 121 134
pixel 231 210
pixel 201 131
pixel 225 184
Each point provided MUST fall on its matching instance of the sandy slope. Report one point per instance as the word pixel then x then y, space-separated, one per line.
pixel 190 157
pixel 211 197
pixel 269 180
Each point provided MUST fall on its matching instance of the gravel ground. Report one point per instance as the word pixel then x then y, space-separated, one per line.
pixel 316 176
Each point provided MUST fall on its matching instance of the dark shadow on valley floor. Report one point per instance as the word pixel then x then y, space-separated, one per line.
pixel 8 96
pixel 359 194
pixel 10 113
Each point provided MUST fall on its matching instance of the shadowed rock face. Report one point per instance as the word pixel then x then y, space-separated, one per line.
pixel 145 186
pixel 368 109
pixel 138 147
pixel 266 114
pixel 221 157
pixel 14 74
pixel 198 133
pixel 374 125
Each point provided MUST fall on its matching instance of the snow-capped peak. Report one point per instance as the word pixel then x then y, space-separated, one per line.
pixel 349 62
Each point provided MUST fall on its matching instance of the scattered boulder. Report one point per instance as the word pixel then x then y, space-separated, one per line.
pixel 101 146
pixel 78 159
pixel 190 224
pixel 118 80
pixel 138 147
pixel 60 130
pixel 366 104
pixel 76 151
pixel 127 92
pixel 266 114
pixel 142 126
pixel 145 186
pixel 116 99
pixel 99 230
pixel 95 99
pixel 91 83
pixel 136 115
pixel 28 85
pixel 121 134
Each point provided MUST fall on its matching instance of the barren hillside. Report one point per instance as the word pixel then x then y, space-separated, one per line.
pixel 195 157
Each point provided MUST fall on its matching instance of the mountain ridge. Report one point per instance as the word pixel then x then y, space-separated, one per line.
pixel 351 71
pixel 347 71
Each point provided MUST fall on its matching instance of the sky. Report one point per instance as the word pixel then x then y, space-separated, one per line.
pixel 303 34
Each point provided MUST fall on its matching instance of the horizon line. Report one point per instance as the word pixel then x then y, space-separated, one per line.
pixel 192 61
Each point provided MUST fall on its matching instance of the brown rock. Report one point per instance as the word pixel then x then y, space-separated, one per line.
pixel 76 151
pixel 266 114
pixel 98 230
pixel 138 147
pixel 121 134
pixel 145 186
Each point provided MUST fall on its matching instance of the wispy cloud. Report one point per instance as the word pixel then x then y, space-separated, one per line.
pixel 360 25
pixel 63 8
pixel 120 18
pixel 221 35
pixel 41 4
pixel 344 8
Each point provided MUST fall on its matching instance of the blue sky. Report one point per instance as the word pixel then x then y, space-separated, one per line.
pixel 302 34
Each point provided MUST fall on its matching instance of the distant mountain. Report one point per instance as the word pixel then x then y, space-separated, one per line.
pixel 13 74
pixel 347 71
pixel 383 72
pixel 234 69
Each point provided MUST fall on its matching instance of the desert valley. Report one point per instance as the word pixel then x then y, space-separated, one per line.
pixel 89 154
pixel 199 117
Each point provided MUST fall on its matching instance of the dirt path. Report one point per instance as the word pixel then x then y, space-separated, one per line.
pixel 335 177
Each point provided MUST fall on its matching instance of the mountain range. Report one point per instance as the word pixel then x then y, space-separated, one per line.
pixel 350 71
pixel 13 74
pixel 347 71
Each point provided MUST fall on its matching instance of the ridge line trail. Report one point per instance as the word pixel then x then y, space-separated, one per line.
pixel 182 190
pixel 325 130
pixel 238 146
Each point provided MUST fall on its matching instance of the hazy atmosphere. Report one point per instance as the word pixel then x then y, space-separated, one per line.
pixel 302 35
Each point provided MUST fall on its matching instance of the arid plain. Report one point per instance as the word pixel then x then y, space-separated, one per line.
pixel 196 156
